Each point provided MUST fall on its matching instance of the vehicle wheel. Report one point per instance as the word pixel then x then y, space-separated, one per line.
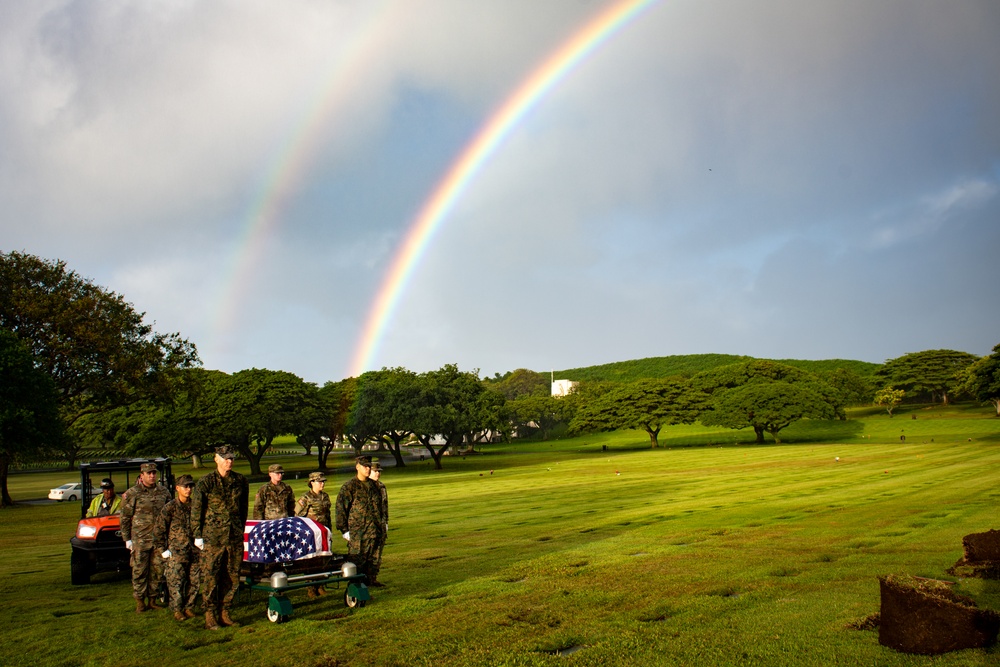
pixel 351 601
pixel 79 570
pixel 71 498
pixel 275 617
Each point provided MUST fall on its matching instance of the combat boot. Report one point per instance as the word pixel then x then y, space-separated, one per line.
pixel 320 590
pixel 179 615
pixel 189 613
pixel 311 592
pixel 140 606
pixel 152 604
pixel 226 619
pixel 210 622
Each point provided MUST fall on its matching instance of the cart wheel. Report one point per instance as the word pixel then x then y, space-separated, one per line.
pixel 275 617
pixel 351 601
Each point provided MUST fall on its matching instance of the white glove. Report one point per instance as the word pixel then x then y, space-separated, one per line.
pixel 200 543
pixel 128 544
pixel 166 554
pixel 347 535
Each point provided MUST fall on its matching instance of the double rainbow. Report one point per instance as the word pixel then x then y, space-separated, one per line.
pixel 472 158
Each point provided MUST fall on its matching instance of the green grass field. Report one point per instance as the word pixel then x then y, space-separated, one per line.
pixel 701 552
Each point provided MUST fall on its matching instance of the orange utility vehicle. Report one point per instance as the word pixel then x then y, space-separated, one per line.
pixel 98 545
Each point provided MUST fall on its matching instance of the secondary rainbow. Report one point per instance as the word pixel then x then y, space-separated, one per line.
pixel 443 198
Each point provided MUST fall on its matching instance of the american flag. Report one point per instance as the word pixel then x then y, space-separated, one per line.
pixel 284 540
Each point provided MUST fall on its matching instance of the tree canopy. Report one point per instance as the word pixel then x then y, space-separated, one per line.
pixel 982 379
pixel 933 372
pixel 29 409
pixel 649 404
pixel 92 343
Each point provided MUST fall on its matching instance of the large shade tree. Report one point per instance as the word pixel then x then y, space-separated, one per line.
pixel 94 345
pixel 982 379
pixel 932 372
pixel 29 409
pixel 649 404
pixel 448 405
pixel 386 403
pixel 765 395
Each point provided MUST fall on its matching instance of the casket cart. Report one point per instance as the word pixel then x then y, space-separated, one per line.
pixel 273 564
pixel 278 579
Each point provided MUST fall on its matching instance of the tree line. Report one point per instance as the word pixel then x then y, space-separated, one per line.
pixel 79 369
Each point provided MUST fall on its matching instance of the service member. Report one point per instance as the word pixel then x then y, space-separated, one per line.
pixel 376 478
pixel 359 516
pixel 274 500
pixel 315 504
pixel 106 504
pixel 139 510
pixel 174 541
pixel 218 515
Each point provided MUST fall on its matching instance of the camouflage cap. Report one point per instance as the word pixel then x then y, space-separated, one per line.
pixel 376 466
pixel 364 460
pixel 316 477
pixel 184 480
pixel 226 452
pixel 106 483
pixel 275 467
pixel 147 467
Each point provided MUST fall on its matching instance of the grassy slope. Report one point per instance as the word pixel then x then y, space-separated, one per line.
pixel 691 555
pixel 689 364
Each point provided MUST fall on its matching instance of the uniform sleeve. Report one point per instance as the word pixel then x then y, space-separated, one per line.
pixel 258 503
pixel 302 506
pixel 244 500
pixel 290 503
pixel 161 528
pixel 197 508
pixel 343 508
pixel 128 510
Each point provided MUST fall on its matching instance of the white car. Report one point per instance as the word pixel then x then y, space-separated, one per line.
pixel 66 492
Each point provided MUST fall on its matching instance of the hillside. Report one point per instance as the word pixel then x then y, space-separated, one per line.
pixel 689 364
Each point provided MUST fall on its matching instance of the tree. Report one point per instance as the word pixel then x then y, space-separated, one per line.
pixel 889 398
pixel 522 382
pixel 447 404
pixel 933 372
pixel 982 379
pixel 854 388
pixel 649 404
pixel 539 412
pixel 250 407
pixel 90 341
pixel 325 419
pixel 29 409
pixel 387 404
pixel 767 407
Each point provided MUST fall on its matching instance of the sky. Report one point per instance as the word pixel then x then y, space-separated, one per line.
pixel 776 179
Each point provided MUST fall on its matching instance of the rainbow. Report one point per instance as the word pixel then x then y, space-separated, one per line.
pixel 344 71
pixel 472 158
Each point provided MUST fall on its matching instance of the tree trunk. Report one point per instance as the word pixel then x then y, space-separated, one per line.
pixel 5 500
pixel 653 436
pixel 195 461
pixel 395 447
pixel 759 431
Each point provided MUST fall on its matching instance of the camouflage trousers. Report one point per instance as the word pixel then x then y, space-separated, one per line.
pixel 147 572
pixel 182 581
pixel 220 575
pixel 363 550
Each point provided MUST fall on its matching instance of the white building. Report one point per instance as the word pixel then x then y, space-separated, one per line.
pixel 563 387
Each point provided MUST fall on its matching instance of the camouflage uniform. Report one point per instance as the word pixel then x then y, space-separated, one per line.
pixel 315 506
pixel 274 501
pixel 218 516
pixel 359 512
pixel 376 565
pixel 173 532
pixel 140 509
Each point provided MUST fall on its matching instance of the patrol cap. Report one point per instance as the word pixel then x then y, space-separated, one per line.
pixel 316 477
pixel 106 483
pixel 184 480
pixel 226 452
pixel 275 467
pixel 364 460
pixel 376 466
pixel 147 467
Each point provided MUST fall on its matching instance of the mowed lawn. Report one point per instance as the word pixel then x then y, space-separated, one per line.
pixel 552 554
